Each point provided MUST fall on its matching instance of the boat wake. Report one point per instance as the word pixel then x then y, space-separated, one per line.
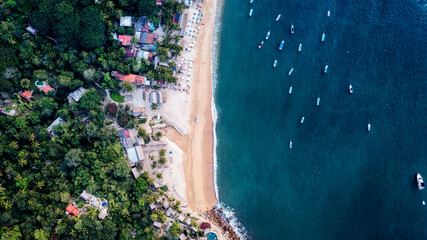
pixel 227 213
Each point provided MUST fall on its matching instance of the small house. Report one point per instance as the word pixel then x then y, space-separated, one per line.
pixel 136 174
pixel 55 123
pixel 125 40
pixel 157 224
pixel 182 236
pixel 71 210
pixel 31 30
pixel 132 155
pixel 47 88
pixel 159 2
pixel 141 25
pixel 130 53
pixel 147 38
pixel 103 213
pixel 152 206
pixel 86 196
pixel 181 218
pixel 26 94
pixel 76 95
pixel 126 21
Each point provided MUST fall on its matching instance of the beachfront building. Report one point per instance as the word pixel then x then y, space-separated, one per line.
pixel 55 123
pixel 126 21
pixel 76 95
pixel 135 155
pixel 132 78
pixel 157 224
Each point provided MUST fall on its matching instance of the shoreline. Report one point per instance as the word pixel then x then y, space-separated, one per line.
pixel 198 144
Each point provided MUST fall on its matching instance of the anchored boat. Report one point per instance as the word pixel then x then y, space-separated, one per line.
pixel 290 71
pixel 251 1
pixel 420 182
pixel 290 144
pixel 292 29
pixel 275 63
pixel 260 45
pixel 326 68
pixel 369 127
pixel 278 17
pixel 300 47
pixel 302 120
pixel 323 37
pixel 250 12
pixel 290 90
pixel 318 101
pixel 268 35
pixel 281 45
pixel 350 89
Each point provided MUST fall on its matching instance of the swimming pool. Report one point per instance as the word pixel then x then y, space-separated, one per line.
pixel 211 236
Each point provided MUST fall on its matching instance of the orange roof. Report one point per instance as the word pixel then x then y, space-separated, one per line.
pixel 150 38
pixel 125 40
pixel 27 95
pixel 47 88
pixel 133 78
pixel 71 209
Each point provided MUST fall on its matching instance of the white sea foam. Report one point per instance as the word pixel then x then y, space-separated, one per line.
pixel 228 211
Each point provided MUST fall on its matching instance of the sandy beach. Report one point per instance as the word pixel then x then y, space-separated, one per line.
pixel 197 145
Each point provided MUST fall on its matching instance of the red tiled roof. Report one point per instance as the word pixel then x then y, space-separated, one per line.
pixel 71 209
pixel 133 78
pixel 125 40
pixel 47 88
pixel 150 38
pixel 27 95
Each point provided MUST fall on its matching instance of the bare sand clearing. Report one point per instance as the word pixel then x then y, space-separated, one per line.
pixel 197 145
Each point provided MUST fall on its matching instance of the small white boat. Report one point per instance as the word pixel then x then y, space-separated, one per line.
pixel 329 13
pixel 268 35
pixel 350 89
pixel 326 68
pixel 250 12
pixel 323 37
pixel 292 29
pixel 369 127
pixel 291 71
pixel 278 17
pixel 420 182
pixel 318 101
pixel 260 44
pixel 275 63
pixel 290 90
pixel 290 144
pixel 251 1
pixel 300 47
pixel 302 120
pixel 281 45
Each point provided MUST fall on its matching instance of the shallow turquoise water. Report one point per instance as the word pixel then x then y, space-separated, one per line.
pixel 338 180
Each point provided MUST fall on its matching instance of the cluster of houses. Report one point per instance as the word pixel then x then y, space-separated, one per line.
pixel 90 201
pixel 172 215
pixel 133 149
pixel 145 45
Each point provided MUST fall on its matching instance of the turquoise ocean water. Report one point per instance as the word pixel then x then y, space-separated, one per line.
pixel 339 181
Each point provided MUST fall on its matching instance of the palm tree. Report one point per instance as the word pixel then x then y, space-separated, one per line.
pixel 176 38
pixel 13 145
pixel 22 162
pixel 150 75
pixel 40 184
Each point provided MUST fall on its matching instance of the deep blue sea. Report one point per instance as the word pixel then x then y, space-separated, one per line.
pixel 339 181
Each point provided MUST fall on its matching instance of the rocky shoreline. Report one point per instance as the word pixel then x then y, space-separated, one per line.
pixel 217 216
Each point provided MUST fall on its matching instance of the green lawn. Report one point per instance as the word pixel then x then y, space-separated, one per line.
pixel 117 97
